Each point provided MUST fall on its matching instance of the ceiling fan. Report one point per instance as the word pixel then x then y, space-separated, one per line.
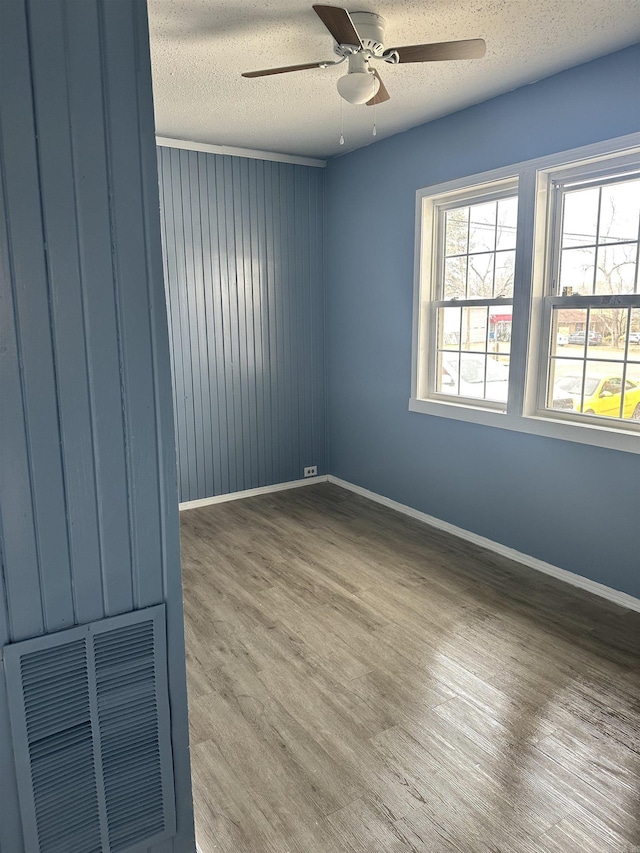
pixel 359 38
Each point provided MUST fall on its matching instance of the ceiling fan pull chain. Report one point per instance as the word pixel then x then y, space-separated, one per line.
pixel 341 121
pixel 375 130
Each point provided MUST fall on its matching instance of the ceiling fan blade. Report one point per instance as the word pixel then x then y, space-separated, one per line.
pixel 285 69
pixel 466 49
pixel 381 95
pixel 339 23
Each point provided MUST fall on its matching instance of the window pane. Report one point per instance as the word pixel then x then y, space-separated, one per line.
pixel 449 328
pixel 497 386
pixel 611 388
pixel 507 223
pixel 631 403
pixel 481 276
pixel 572 325
pixel 595 337
pixel 599 246
pixel 620 212
pixel 608 332
pixel 603 389
pixel 500 329
pixel 565 384
pixel 597 381
pixel 477 376
pixel 576 270
pixel 632 385
pixel 482 227
pixel 565 322
pixel 456 231
pixel 455 278
pixel 616 268
pixel 580 220
pixel 448 373
pixel 469 370
pixel 633 352
pixel 474 329
pixel 472 375
pixel 505 265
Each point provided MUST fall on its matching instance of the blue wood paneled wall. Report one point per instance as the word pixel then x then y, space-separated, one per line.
pixel 88 509
pixel 243 266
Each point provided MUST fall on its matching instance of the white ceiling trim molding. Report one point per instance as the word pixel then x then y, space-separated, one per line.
pixel 233 151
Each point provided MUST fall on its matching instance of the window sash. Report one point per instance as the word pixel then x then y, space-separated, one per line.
pixel 573 180
pixel 559 189
pixel 433 353
pixel 481 195
pixel 434 295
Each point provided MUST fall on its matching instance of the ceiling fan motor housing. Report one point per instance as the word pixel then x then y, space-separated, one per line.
pixel 371 29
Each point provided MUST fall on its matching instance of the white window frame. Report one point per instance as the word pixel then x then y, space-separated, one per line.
pixel 529 337
pixel 595 173
pixel 433 299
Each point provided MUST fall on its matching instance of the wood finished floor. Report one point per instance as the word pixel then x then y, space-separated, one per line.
pixel 361 682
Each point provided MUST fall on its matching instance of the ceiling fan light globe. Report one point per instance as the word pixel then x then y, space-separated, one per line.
pixel 358 87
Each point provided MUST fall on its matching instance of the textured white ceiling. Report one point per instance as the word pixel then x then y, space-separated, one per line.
pixel 200 47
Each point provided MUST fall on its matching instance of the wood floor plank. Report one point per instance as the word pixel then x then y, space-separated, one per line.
pixel 363 829
pixel 583 835
pixel 360 682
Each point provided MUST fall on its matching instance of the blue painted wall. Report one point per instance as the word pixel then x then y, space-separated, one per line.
pixel 569 504
pixel 88 504
pixel 243 266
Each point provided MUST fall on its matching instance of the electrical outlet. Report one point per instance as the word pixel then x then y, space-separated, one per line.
pixel 311 471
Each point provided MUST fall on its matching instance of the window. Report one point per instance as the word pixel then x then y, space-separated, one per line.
pixel 592 306
pixel 527 298
pixel 473 299
pixel 469 301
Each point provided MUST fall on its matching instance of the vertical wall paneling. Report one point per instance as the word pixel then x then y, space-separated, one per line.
pixel 213 341
pixel 242 246
pixel 20 550
pixel 32 370
pixel 88 503
pixel 219 284
pixel 130 269
pixel 60 224
pixel 87 123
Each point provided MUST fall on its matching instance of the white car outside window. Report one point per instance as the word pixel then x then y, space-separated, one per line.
pixel 475 376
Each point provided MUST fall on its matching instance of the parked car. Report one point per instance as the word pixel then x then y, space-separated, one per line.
pixel 561 339
pixel 634 337
pixel 601 395
pixel 595 338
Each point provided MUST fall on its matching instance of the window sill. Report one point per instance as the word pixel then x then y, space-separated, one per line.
pixel 597 436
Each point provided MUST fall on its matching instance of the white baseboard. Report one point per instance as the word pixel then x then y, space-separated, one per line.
pixel 250 493
pixel 614 595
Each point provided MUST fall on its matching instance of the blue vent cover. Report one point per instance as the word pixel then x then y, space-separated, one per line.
pixel 89 712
